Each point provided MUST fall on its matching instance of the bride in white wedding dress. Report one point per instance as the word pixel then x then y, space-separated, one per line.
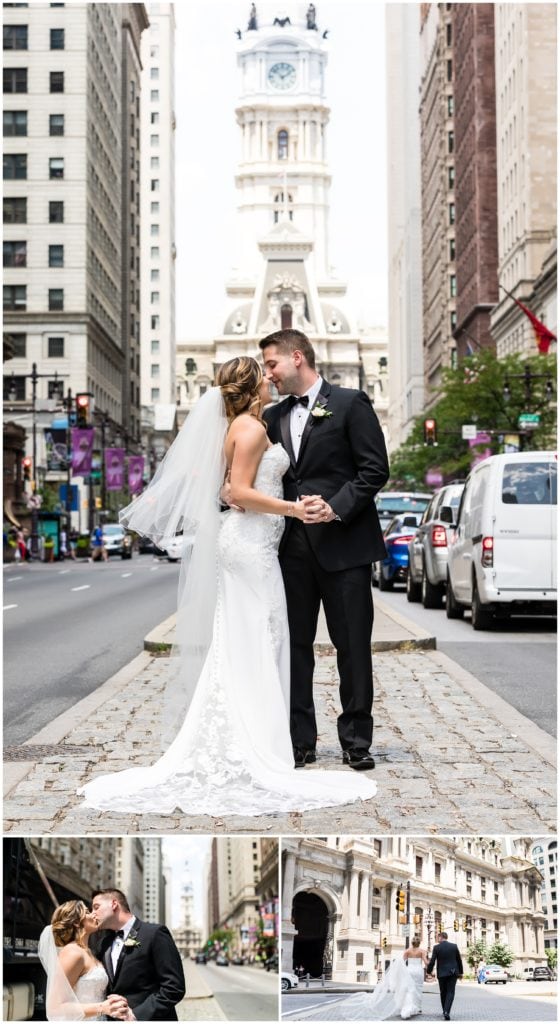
pixel 233 752
pixel 76 982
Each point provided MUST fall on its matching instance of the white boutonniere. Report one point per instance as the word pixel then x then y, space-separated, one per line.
pixel 131 941
pixel 320 413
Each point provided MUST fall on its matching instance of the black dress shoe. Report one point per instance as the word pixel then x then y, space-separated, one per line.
pixel 303 757
pixel 446 1016
pixel 360 760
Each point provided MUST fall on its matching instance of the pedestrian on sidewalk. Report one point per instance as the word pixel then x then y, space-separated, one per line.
pixel 98 545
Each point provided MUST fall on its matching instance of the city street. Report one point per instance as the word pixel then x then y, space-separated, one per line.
pixel 69 626
pixel 518 1001
pixel 229 993
pixel 505 658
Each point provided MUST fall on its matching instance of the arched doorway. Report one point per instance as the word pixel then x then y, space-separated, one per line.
pixel 311 921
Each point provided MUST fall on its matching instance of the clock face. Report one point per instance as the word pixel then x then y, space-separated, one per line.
pixel 282 76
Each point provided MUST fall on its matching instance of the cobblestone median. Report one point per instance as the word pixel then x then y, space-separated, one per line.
pixel 445 761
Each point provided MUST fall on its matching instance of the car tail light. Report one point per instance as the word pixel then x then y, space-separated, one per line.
pixel 402 540
pixel 439 537
pixel 487 559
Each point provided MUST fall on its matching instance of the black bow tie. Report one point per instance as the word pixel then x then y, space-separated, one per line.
pixel 303 400
pixel 119 934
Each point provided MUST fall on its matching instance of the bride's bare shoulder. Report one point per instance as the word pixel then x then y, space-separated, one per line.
pixel 246 428
pixel 71 954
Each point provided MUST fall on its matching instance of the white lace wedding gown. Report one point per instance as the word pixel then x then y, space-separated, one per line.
pixel 399 994
pixel 92 988
pixel 89 988
pixel 233 754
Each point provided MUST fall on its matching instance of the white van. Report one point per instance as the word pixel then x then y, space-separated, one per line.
pixel 502 552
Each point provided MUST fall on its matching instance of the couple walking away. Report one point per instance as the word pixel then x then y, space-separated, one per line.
pixel 299 478
pixel 132 972
pixel 400 992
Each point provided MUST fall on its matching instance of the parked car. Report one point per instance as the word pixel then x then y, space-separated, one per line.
pixel 542 973
pixel 427 551
pixel 393 503
pixel 146 546
pixel 288 980
pixel 502 555
pixel 201 958
pixel 222 961
pixel 394 567
pixel 493 974
pixel 238 961
pixel 116 540
pixel 174 548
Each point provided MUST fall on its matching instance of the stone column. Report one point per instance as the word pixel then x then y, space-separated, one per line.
pixel 288 880
pixel 366 901
pixel 353 901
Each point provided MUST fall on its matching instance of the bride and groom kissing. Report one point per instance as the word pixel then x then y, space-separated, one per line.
pixel 106 964
pixel 299 479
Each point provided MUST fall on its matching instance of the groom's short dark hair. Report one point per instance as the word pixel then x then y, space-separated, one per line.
pixel 115 894
pixel 443 935
pixel 288 340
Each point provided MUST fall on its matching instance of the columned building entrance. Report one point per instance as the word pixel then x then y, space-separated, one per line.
pixel 311 945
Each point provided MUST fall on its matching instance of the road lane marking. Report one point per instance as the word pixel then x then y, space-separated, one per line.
pixel 154 568
pixel 62 572
pixel 86 586
pixel 8 606
pixel 125 574
pixel 14 578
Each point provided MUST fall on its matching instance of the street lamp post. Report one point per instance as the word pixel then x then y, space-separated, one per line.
pixel 429 925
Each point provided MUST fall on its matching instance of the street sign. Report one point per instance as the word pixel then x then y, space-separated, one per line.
pixel 468 431
pixel 406 929
pixel 529 420
pixel 62 491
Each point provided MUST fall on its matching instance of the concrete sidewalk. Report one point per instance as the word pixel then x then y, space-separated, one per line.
pixel 451 755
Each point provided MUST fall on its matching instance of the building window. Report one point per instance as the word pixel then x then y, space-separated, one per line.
pixel 16 385
pixel 14 122
pixel 154 207
pixel 55 348
pixel 154 117
pixel 19 345
pixel 419 866
pixel 56 299
pixel 56 124
pixel 15 79
pixel 154 322
pixel 451 177
pixel 15 254
pixel 154 74
pixel 154 185
pixel 451 248
pixel 483 889
pixel 154 370
pixel 437 872
pixel 154 162
pixel 15 166
pixel 279 205
pixel 154 346
pixel 283 141
pixel 15 37
pixel 449 34
pixel 154 95
pixel 57 38
pixel 154 230
pixel 451 213
pixel 56 212
pixel 154 275
pixel 155 394
pixel 452 286
pixel 15 297
pixel 449 70
pixel 468 875
pixel 15 210
pixel 56 167
pixel 453 320
pixel 154 140
pixel 377 847
pixel 56 255
pixel 450 106
pixel 450 142
pixel 57 81
pixel 154 252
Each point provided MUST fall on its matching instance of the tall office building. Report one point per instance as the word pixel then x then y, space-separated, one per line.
pixel 129 871
pixel 544 853
pixel 154 882
pixel 93 859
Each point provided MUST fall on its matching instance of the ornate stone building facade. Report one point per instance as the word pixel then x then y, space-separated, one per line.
pixel 545 856
pixel 339 913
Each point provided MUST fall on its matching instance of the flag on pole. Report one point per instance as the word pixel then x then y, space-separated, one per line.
pixel 543 335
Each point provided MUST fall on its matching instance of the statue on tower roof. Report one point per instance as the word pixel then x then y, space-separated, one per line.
pixel 282 22
pixel 252 26
pixel 311 22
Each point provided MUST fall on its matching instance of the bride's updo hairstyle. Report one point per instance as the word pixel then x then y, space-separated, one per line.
pixel 416 941
pixel 239 381
pixel 68 923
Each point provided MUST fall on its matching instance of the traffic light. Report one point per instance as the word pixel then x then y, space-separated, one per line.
pixel 465 926
pixel 384 943
pixel 400 901
pixel 430 433
pixel 455 925
pixel 27 463
pixel 82 410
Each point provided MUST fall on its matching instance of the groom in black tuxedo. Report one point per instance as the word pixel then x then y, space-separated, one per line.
pixel 337 451
pixel 141 960
pixel 449 970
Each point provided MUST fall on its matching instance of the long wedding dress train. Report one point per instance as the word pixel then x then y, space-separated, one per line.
pixel 233 754
pixel 399 994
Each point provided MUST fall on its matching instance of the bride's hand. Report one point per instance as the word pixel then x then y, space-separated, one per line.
pixel 303 507
pixel 225 496
pixel 115 1006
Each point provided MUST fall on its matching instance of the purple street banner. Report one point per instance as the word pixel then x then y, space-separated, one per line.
pixel 135 473
pixel 55 445
pixel 482 453
pixel 114 469
pixel 82 450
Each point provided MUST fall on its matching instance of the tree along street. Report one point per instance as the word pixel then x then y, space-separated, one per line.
pixel 516 659
pixel 69 626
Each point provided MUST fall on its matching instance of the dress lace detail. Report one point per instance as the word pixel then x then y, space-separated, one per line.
pixel 233 754
pixel 92 987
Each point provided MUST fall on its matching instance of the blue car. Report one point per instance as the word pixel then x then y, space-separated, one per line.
pixel 397 536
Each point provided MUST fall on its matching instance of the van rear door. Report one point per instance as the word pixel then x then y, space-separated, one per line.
pixel 525 526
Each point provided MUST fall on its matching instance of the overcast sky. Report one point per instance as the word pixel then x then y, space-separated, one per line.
pixel 208 145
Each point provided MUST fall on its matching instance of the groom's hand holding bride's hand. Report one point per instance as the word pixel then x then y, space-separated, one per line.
pixel 118 1008
pixel 317 510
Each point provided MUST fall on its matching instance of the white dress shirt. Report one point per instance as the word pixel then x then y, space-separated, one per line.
pixel 118 943
pixel 299 415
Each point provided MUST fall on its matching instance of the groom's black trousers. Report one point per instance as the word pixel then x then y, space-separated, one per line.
pixel 348 604
pixel 447 991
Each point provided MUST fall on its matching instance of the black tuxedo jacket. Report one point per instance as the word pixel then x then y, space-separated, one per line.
pixel 343 458
pixel 150 975
pixel 446 955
